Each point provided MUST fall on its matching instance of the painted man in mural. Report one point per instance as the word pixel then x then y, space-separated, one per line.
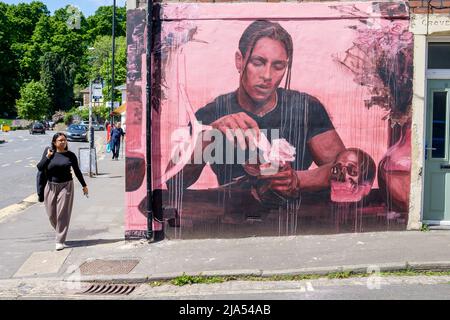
pixel 259 105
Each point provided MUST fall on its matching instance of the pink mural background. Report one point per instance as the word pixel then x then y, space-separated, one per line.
pixel 336 46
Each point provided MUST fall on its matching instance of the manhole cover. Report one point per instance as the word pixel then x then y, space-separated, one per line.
pixel 107 267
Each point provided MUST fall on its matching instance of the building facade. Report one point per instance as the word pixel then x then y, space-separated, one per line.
pixel 354 134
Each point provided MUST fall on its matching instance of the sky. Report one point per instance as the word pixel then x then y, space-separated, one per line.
pixel 88 7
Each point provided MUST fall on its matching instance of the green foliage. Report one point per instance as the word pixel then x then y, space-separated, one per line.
pixel 100 23
pixel 101 112
pixel 76 113
pixel 185 279
pixel 68 118
pixel 98 112
pixel 9 86
pixel 36 46
pixel 340 275
pixel 24 17
pixel 57 76
pixel 156 283
pixel 34 101
pixel 424 227
pixel 6 121
pixel 101 61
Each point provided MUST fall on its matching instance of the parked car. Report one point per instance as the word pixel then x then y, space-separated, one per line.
pixel 37 127
pixel 97 126
pixel 77 132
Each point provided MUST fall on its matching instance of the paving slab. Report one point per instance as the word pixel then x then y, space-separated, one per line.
pixel 43 263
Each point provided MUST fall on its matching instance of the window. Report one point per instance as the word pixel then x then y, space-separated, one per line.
pixel 439 55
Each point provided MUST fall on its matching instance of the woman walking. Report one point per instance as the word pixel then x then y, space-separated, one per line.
pixel 57 161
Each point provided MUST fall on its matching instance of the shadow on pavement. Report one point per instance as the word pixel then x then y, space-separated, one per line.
pixel 88 243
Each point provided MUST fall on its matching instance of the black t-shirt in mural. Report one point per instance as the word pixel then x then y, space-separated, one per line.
pixel 298 117
pixel 59 167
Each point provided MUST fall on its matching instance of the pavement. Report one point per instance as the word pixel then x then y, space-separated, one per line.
pixel 97 251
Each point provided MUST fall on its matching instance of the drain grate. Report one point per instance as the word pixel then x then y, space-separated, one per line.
pixel 107 267
pixel 109 289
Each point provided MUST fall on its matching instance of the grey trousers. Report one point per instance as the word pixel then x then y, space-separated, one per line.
pixel 58 201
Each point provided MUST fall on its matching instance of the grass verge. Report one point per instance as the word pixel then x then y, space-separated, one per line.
pixel 188 279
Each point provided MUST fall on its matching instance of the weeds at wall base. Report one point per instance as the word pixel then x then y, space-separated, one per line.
pixel 188 280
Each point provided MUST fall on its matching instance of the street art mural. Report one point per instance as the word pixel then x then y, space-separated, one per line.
pixel 271 119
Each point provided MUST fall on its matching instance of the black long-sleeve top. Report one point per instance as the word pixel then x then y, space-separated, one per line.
pixel 58 167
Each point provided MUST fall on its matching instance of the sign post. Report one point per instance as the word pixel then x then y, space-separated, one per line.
pixel 95 93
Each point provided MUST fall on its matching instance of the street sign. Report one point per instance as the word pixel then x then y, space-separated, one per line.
pixel 97 89
pixel 83 156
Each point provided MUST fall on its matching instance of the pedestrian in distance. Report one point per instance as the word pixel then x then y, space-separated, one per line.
pixel 57 161
pixel 108 130
pixel 116 134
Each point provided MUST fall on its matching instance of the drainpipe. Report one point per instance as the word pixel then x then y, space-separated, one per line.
pixel 149 122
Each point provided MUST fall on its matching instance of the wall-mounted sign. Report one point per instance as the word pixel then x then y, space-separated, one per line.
pixel 97 89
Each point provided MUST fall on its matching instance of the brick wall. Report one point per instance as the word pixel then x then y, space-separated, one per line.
pixel 433 6
pixel 417 6
pixel 141 3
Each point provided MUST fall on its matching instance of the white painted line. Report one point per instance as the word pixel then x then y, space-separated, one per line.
pixel 18 207
pixel 30 158
pixel 31 198
pixel 18 161
pixel 6 165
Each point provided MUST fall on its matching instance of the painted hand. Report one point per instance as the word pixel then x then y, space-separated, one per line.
pixel 241 126
pixel 285 183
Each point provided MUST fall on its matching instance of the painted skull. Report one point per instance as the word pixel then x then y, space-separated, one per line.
pixel 352 176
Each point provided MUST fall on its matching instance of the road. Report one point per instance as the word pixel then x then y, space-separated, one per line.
pixel 205 295
pixel 382 288
pixel 18 159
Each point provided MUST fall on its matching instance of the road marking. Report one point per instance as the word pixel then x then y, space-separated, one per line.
pixel 30 158
pixel 6 165
pixel 18 207
pixel 26 139
pixel 18 161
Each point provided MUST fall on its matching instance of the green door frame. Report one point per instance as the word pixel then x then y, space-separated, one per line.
pixel 436 205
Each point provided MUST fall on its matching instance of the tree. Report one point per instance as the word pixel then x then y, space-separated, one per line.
pixel 101 58
pixel 9 82
pixel 100 23
pixel 24 17
pixel 57 76
pixel 60 48
pixel 34 101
